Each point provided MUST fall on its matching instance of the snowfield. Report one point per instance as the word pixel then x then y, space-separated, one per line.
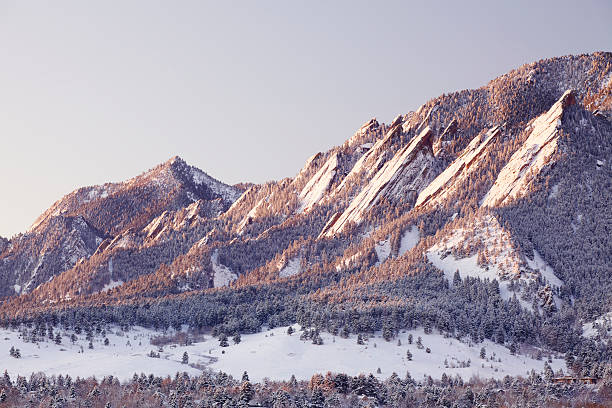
pixel 269 354
pixel 223 275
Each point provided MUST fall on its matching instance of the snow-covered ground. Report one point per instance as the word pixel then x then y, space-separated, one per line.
pixel 500 260
pixel 119 358
pixel 539 264
pixel 383 250
pixel 410 239
pixel 290 268
pixel 601 325
pixel 271 353
pixel 223 275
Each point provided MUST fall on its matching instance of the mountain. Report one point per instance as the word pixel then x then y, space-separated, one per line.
pixel 485 213
pixel 92 220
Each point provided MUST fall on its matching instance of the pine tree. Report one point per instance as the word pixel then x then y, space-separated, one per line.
pixel 223 341
pixel 290 330
pixel 58 338
pixel 408 355
pixel 246 392
pixel 548 372
pixel 483 353
pixel 419 343
pixel 185 359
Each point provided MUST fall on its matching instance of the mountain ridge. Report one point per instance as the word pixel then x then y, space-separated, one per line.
pixel 368 235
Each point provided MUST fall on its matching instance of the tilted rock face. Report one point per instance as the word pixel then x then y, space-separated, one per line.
pixel 458 170
pixel 408 171
pixel 319 184
pixel 532 156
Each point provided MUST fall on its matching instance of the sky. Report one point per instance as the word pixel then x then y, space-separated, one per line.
pixel 92 92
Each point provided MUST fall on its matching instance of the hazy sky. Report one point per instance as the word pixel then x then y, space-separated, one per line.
pixel 100 91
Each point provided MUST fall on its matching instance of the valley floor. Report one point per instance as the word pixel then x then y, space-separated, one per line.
pixel 270 353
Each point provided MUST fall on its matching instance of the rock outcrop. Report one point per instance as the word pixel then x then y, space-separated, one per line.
pixel 531 157
pixel 407 171
pixel 458 170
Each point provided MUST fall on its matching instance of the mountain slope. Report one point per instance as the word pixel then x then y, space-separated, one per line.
pixel 102 218
pixel 508 184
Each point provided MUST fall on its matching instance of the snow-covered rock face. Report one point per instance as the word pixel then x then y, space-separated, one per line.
pixel 459 169
pixel 161 226
pixel 408 171
pixel 172 178
pixel 370 125
pixel 531 157
pixel 228 193
pixel 319 184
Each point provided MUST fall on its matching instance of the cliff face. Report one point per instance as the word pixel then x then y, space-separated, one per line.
pixel 532 156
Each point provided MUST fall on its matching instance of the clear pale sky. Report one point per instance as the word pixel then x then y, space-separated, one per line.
pixel 100 91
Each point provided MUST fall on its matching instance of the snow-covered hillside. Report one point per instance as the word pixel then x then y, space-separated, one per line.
pixel 496 259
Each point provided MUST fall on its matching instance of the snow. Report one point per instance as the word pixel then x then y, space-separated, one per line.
pixel 544 268
pixel 117 359
pixel 292 267
pixel 554 191
pixel 409 240
pixel 605 321
pixel 112 284
pixel 531 157
pixel 383 250
pixel 466 266
pixel 268 354
pixel 469 267
pixel 501 261
pixel 227 192
pixel 276 355
pixel 17 288
pixel 96 192
pixel 318 185
pixel 250 215
pixel 222 274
